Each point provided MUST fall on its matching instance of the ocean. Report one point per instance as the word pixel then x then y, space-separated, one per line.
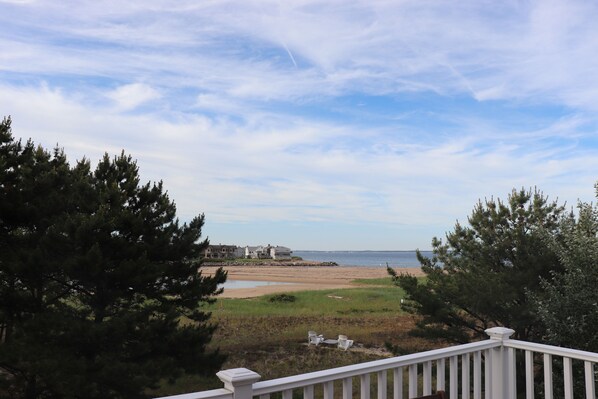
pixel 364 258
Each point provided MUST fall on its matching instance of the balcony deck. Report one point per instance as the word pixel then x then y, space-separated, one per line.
pixel 488 369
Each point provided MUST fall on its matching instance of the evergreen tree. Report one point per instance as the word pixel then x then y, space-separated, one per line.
pixel 479 277
pixel 568 306
pixel 34 186
pixel 101 294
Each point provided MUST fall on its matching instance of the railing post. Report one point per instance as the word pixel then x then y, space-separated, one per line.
pixel 239 382
pixel 501 384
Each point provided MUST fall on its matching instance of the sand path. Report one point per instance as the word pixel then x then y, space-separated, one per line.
pixel 303 278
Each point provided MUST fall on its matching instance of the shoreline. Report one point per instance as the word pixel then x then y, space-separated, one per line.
pixel 302 278
pixel 268 262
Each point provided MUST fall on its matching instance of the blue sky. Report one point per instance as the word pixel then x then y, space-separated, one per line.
pixel 315 124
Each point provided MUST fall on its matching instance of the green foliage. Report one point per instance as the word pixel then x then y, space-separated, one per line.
pixel 95 273
pixel 282 298
pixel 479 277
pixel 568 307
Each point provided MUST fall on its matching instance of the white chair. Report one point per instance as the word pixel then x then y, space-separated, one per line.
pixel 314 338
pixel 344 343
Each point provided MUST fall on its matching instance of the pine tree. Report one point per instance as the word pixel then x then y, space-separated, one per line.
pixel 480 277
pixel 34 186
pixel 568 305
pixel 100 289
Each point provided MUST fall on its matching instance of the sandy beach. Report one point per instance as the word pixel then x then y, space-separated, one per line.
pixel 302 277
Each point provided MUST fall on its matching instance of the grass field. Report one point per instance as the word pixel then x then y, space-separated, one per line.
pixel 370 299
pixel 269 334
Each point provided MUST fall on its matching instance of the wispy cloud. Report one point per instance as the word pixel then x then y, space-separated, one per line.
pixel 392 113
pixel 132 95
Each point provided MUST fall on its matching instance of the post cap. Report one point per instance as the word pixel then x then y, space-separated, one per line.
pixel 499 333
pixel 237 377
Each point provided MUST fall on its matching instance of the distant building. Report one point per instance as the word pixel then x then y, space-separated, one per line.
pixel 249 252
pixel 268 252
pixel 279 252
pixel 221 252
pixel 239 252
pixel 259 252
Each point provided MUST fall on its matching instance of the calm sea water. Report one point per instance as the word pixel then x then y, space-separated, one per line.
pixel 364 258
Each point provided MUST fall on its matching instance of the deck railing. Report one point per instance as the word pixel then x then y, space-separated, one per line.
pixel 486 369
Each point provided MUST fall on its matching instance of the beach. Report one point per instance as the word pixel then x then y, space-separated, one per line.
pixel 302 278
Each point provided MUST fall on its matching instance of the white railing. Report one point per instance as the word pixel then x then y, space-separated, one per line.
pixel 549 355
pixel 486 369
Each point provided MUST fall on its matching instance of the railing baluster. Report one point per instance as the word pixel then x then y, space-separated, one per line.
pixel 287 394
pixel 347 388
pixel 529 375
pixel 308 392
pixel 547 376
pixel 477 375
pixel 328 390
pixel 382 385
pixel 398 383
pixel 413 380
pixel 440 375
pixel 465 385
pixel 365 386
pixel 568 377
pixel 454 376
pixel 487 374
pixel 589 374
pixel 511 373
pixel 427 378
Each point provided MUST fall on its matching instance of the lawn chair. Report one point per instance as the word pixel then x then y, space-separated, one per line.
pixel 314 338
pixel 344 343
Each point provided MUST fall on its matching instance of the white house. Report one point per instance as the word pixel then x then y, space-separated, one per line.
pixel 259 252
pixel 268 252
pixel 279 252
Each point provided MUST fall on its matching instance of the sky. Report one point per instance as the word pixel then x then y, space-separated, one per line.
pixel 323 125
